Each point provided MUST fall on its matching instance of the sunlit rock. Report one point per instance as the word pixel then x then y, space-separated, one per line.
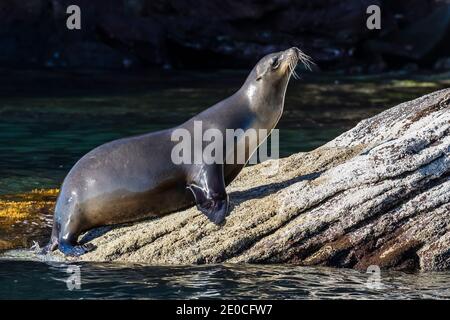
pixel 378 194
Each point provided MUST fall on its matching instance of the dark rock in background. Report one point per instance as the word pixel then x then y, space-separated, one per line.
pixel 223 33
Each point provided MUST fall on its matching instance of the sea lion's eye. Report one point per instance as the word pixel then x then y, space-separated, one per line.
pixel 275 63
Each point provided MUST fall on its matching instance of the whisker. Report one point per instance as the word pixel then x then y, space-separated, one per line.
pixel 305 60
pixel 294 73
pixel 290 65
pixel 292 68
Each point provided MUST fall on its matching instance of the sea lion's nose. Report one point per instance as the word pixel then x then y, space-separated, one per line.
pixel 294 51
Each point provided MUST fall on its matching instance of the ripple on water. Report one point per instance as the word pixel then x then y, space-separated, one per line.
pixel 22 277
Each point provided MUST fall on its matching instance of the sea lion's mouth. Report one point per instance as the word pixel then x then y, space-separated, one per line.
pixel 294 55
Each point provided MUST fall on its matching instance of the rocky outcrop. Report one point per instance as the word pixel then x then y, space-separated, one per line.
pixel 222 33
pixel 378 194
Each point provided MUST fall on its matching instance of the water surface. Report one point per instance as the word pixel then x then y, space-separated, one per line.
pixel 48 120
pixel 37 280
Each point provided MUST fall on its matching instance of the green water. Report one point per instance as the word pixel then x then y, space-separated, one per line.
pixel 48 120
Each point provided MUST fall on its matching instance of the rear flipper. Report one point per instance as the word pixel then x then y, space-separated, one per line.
pixel 75 250
pixel 210 194
pixel 51 246
pixel 67 226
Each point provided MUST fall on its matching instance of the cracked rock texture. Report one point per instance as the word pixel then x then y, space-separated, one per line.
pixel 378 194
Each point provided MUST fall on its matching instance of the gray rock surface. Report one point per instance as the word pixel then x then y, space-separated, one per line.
pixel 378 194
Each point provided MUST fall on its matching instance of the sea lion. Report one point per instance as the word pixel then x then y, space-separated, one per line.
pixel 133 178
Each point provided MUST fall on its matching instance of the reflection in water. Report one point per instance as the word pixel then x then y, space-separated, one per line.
pixel 48 280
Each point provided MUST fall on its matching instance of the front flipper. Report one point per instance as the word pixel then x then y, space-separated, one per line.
pixel 208 188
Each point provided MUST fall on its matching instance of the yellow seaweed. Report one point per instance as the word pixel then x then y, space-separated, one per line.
pixel 23 205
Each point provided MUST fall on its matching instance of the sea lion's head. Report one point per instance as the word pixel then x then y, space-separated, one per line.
pixel 266 85
pixel 280 66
